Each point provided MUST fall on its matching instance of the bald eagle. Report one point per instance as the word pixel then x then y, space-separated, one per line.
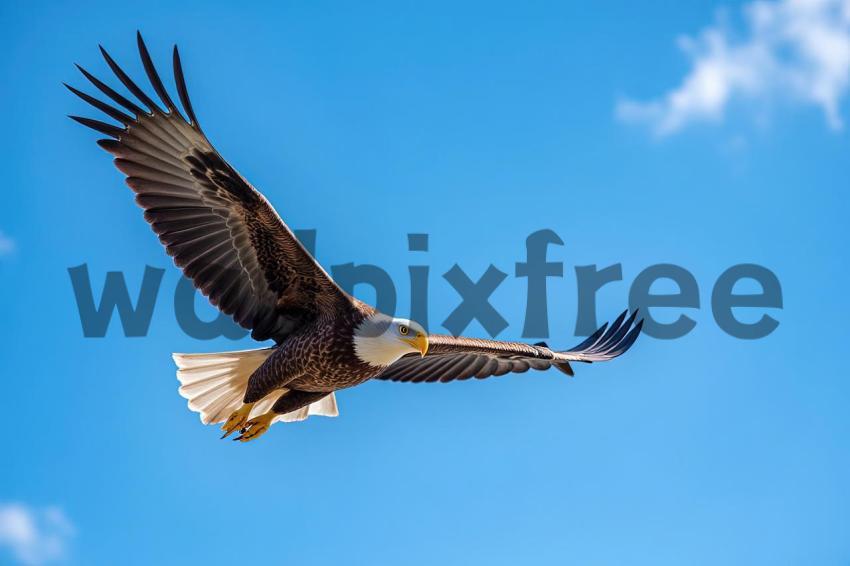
pixel 229 241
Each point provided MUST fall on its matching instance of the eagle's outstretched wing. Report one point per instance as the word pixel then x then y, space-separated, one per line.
pixel 451 358
pixel 220 230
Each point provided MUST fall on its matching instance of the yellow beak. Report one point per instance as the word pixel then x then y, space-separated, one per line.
pixel 420 342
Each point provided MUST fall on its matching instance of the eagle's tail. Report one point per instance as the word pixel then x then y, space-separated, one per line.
pixel 215 383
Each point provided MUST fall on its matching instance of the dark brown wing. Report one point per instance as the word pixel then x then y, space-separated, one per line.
pixel 451 358
pixel 221 232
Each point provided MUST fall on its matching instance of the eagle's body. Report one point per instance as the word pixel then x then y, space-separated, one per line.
pixel 319 357
pixel 237 251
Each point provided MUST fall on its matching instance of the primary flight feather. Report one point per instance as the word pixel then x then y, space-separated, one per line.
pixel 237 251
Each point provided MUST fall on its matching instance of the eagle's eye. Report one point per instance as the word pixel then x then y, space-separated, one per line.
pixel 403 330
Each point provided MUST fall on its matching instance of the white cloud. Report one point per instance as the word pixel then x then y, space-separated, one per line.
pixel 7 245
pixel 794 50
pixel 34 537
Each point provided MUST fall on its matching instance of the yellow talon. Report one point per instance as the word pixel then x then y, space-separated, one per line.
pixel 237 419
pixel 256 427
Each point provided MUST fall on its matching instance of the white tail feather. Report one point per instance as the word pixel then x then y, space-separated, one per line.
pixel 214 384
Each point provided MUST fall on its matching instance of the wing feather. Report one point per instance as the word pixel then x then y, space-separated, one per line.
pixel 220 230
pixel 456 358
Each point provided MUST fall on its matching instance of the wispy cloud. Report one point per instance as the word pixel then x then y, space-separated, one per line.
pixel 34 536
pixel 7 245
pixel 797 50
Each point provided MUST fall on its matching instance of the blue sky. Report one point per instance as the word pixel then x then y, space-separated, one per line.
pixel 478 124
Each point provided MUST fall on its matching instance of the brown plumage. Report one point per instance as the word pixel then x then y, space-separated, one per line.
pixel 231 243
pixel 457 358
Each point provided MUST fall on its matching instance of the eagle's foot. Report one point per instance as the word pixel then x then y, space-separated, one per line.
pixel 237 419
pixel 256 427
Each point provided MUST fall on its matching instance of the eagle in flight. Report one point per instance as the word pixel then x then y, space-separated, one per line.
pixel 226 237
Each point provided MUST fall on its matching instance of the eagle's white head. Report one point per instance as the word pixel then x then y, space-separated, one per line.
pixel 380 340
